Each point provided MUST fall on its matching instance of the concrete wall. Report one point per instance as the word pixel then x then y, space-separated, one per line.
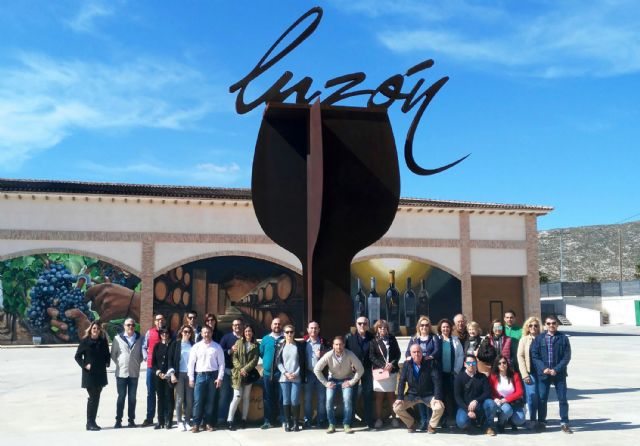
pixel 583 316
pixel 621 310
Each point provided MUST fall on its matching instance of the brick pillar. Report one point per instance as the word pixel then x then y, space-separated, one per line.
pixel 465 266
pixel 532 280
pixel 146 304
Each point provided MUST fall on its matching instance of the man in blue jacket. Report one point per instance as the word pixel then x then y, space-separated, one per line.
pixel 550 354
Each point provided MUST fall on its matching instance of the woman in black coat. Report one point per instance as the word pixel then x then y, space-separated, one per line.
pixel 164 388
pixel 93 357
pixel 384 353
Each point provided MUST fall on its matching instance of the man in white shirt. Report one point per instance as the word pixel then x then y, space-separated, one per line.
pixel 206 371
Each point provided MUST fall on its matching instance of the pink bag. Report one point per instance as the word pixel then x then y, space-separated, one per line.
pixel 380 374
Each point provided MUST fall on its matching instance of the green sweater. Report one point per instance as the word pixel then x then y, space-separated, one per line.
pixel 514 332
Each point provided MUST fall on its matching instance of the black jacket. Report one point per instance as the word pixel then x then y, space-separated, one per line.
pixel 378 352
pixel 174 353
pixel 96 353
pixel 160 360
pixel 352 343
pixel 467 389
pixel 427 383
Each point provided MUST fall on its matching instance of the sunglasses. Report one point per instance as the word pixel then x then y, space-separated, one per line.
pixel 425 325
pixel 129 325
pixel 502 363
pixel 288 332
pixel 236 325
pixel 551 323
pixel 497 327
pixel 191 317
pixel 534 325
pixel 186 332
pixel 470 362
pixel 361 323
pixel 160 320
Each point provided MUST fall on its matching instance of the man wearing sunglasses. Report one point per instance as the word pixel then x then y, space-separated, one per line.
pixel 126 352
pixel 359 343
pixel 192 321
pixel 472 393
pixel 551 353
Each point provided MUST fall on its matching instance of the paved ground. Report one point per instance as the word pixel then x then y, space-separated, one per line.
pixel 41 403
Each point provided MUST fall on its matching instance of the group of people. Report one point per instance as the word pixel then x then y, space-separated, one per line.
pixel 451 375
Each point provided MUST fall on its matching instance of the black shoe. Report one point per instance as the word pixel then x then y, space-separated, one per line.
pixel 118 425
pixel 230 426
pixel 168 425
pixel 93 427
pixel 243 424
pixel 132 424
pixel 158 426
pixel 147 422
pixel 566 429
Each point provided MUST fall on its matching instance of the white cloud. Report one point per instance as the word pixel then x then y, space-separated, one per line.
pixel 203 173
pixel 550 39
pixel 43 100
pixel 90 11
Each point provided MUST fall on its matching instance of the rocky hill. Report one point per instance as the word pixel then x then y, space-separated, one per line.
pixel 590 252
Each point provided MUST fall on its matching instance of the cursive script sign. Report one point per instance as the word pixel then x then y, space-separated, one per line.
pixel 383 96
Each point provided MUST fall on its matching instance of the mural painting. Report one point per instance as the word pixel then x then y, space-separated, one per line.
pixel 229 287
pixel 51 298
pixel 401 290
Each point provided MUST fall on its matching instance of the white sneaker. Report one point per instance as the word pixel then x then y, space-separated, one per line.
pixel 395 423
pixel 378 424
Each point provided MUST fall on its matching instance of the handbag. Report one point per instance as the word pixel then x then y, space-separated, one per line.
pixel 380 374
pixel 251 377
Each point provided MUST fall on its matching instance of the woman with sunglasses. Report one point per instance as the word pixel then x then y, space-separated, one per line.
pixel 244 374
pixel 430 346
pixel 164 388
pixel 384 353
pixel 93 357
pixel 531 330
pixel 211 321
pixel 507 394
pixel 178 367
pixel 493 345
pixel 290 357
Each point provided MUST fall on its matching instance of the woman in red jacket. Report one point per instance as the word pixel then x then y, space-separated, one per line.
pixel 507 393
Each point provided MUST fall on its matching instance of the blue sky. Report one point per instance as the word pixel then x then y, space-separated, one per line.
pixel 543 94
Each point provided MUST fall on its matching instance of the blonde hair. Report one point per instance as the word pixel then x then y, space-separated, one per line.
pixel 529 321
pixel 379 323
pixel 423 318
pixel 476 326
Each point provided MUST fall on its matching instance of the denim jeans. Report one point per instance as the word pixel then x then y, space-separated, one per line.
pixel 314 385
pixel 346 398
pixel 531 395
pixel 463 420
pixel 204 396
pixel 365 388
pixel 561 392
pixel 184 397
pixel 126 386
pixel 290 393
pixel 507 413
pixel 271 398
pixel 225 393
pixel 151 395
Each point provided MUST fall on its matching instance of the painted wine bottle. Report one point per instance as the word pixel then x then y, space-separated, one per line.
pixel 373 303
pixel 393 303
pixel 409 306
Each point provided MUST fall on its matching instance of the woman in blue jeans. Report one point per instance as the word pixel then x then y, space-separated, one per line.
pixel 507 394
pixel 289 358
pixel 531 329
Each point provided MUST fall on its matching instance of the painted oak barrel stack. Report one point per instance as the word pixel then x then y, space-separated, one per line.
pixel 172 296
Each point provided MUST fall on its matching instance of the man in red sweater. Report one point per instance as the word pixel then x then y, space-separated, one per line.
pixel 151 338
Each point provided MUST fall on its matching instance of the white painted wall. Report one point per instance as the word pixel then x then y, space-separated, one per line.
pixel 497 227
pixel 425 225
pixel 498 262
pixel 449 258
pixel 621 310
pixel 128 253
pixel 583 316
pixel 168 254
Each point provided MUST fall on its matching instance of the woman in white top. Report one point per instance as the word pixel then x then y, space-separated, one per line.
pixel 507 392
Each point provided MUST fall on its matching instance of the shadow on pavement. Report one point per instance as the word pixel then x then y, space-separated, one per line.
pixel 600 424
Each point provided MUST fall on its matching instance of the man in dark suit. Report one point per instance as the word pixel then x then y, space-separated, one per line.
pixel 359 344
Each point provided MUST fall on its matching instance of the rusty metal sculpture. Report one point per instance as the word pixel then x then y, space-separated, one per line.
pixel 325 181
